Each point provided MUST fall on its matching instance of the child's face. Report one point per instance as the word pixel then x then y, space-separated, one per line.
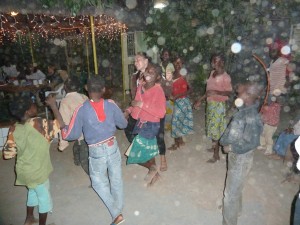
pixel 150 76
pixel 140 63
pixel 217 62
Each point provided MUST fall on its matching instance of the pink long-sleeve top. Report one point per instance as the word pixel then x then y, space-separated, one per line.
pixel 154 104
pixel 219 83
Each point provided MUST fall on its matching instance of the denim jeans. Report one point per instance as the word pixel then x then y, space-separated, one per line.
pixel 106 175
pixel 239 166
pixel 283 141
pixel 296 219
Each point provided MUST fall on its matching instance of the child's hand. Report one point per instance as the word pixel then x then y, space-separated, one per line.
pixel 169 76
pixel 51 101
pixel 137 103
pixel 227 149
pixel 126 114
pixel 196 104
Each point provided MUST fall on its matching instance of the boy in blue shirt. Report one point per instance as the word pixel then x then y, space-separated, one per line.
pixel 97 119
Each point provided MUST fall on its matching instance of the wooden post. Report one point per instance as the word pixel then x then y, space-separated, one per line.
pixel 94 45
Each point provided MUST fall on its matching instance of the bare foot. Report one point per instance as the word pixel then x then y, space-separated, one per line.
pixel 31 220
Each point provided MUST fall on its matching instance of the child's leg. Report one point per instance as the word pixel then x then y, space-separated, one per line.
pixel 29 216
pixel 42 218
pixel 262 138
pixel 269 132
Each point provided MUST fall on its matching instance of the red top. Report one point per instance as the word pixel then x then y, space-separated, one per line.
pixel 180 86
pixel 154 104
pixel 270 114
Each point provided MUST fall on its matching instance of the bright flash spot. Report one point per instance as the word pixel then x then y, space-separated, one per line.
pixel 239 102
pixel 161 40
pixel 149 20
pixel 210 30
pixel 286 108
pixel 136 213
pixel 131 4
pixel 236 47
pixel 183 72
pixel 285 50
pixel 277 92
pixel 105 63
pixel 269 41
pixel 13 13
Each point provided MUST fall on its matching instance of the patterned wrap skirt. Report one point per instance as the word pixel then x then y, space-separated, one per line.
pixel 215 119
pixel 141 150
pixel 182 120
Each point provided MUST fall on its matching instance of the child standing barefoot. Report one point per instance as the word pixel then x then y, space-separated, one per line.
pixel 29 140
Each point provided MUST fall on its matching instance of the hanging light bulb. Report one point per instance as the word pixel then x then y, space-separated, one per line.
pixel 159 4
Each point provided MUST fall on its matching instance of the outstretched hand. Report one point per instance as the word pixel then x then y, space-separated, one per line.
pixel 51 101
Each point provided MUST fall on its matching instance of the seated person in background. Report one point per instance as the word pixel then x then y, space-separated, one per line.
pixel 56 82
pixel 10 71
pixel 270 115
pixel 63 72
pixel 285 138
pixel 54 78
pixel 33 73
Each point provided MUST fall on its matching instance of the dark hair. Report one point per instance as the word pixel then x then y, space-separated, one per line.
pixel 72 84
pixel 162 53
pixel 157 69
pixel 19 106
pixel 220 55
pixel 95 84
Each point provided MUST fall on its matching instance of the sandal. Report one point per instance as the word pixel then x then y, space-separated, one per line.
pixel 118 220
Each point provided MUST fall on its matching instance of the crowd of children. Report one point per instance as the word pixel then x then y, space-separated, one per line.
pixel 92 122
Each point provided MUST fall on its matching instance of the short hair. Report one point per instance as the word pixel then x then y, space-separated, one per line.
pixel 19 106
pixel 219 54
pixel 157 69
pixel 253 89
pixel 144 55
pixel 72 84
pixel 95 84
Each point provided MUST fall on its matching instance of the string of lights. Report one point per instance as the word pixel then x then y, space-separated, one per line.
pixel 16 27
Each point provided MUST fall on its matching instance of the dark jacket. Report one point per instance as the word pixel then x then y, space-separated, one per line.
pixel 243 131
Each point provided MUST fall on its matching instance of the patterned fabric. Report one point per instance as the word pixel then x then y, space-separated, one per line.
pixel 182 121
pixel 215 119
pixel 278 75
pixel 270 114
pixel 141 150
pixel 169 114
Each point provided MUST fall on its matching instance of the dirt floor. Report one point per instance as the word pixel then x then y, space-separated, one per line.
pixel 190 192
